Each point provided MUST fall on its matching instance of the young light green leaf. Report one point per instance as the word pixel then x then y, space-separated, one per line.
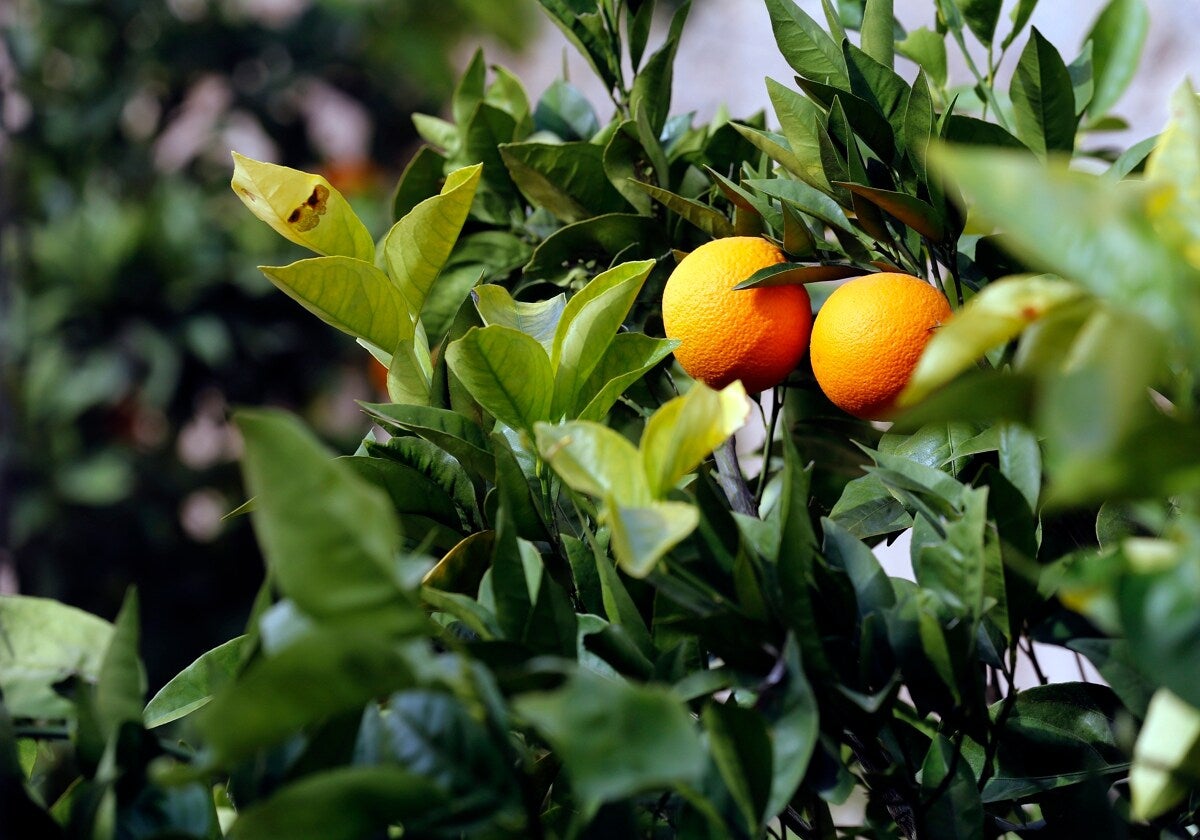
pixel 594 459
pixel 328 536
pixel 1043 98
pixel 537 319
pixel 352 295
pixel 302 207
pixel 627 359
pixel 194 686
pixel 999 313
pixel 43 642
pixel 507 372
pixel 418 245
pixel 1175 162
pixel 589 322
pixel 1166 756
pixel 685 430
pixel 410 374
pixel 1117 37
pixel 641 536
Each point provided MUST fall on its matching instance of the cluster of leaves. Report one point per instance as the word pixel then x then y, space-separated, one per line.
pixel 505 618
pixel 128 311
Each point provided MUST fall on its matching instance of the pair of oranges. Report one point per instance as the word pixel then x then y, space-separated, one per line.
pixel 864 345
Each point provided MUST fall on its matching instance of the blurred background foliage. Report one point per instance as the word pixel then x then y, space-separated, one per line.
pixel 130 319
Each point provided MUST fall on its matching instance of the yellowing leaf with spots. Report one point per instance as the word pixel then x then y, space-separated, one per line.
pixel 302 207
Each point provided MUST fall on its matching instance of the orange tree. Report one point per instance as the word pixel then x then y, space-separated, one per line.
pixel 532 605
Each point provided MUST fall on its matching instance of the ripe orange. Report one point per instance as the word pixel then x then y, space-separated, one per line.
pixel 868 337
pixel 755 335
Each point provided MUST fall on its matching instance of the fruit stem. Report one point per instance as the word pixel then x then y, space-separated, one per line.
pixel 729 476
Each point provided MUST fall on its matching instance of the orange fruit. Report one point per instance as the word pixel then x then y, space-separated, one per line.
pixel 868 336
pixel 755 335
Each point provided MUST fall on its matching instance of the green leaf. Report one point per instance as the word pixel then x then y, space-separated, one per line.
pixel 589 322
pixel 594 459
pixel 194 686
pixel 585 30
pixel 340 804
pixel 1115 249
pixel 422 178
pixel 805 44
pixel 329 537
pixel 1021 461
pixel 1175 163
pixel 642 535
pixel 927 49
pixel 964 130
pixel 651 89
pixel 121 681
pixel 1043 98
pixel 956 811
pixel 1117 37
pixel 1082 78
pixel 877 31
pixel 628 358
pixel 1020 15
pixel 452 432
pixel 507 372
pixel 1166 757
pixel 999 313
pixel 872 587
pixel 600 240
pixel 741 749
pixel 568 179
pixel 352 295
pixel 981 16
pixel 910 210
pixel 303 208
pixel 794 724
pixel 777 148
pixel 867 119
pixel 417 246
pixel 470 89
pixel 802 123
pixel 566 112
pixel 789 274
pixel 685 430
pixel 804 198
pixel 707 219
pixel 866 509
pixel 616 739
pixel 43 642
pixel 537 319
pixel 410 490
pixel 322 673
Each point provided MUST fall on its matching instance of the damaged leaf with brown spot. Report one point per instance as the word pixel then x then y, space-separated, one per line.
pixel 302 207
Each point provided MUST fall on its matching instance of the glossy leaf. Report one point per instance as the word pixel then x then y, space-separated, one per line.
pixel 910 210
pixel 422 178
pixel 568 179
pixel 651 88
pixel 805 45
pixel 802 122
pixel 741 749
pixel 418 245
pixel 616 739
pixel 594 459
pixel 121 681
pixel 600 239
pixel 999 313
pixel 789 274
pixel 704 217
pixel 329 537
pixel 589 322
pixel 628 358
pixel 352 295
pixel 794 725
pixel 302 207
pixel 45 642
pixel 955 809
pixel 1166 756
pixel 566 112
pixel 507 372
pixel 194 686
pixel 642 535
pixel 452 432
pixel 685 430
pixel 1043 98
pixel 1117 38
pixel 537 319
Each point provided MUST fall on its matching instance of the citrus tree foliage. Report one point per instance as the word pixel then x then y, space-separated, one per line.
pixel 534 605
